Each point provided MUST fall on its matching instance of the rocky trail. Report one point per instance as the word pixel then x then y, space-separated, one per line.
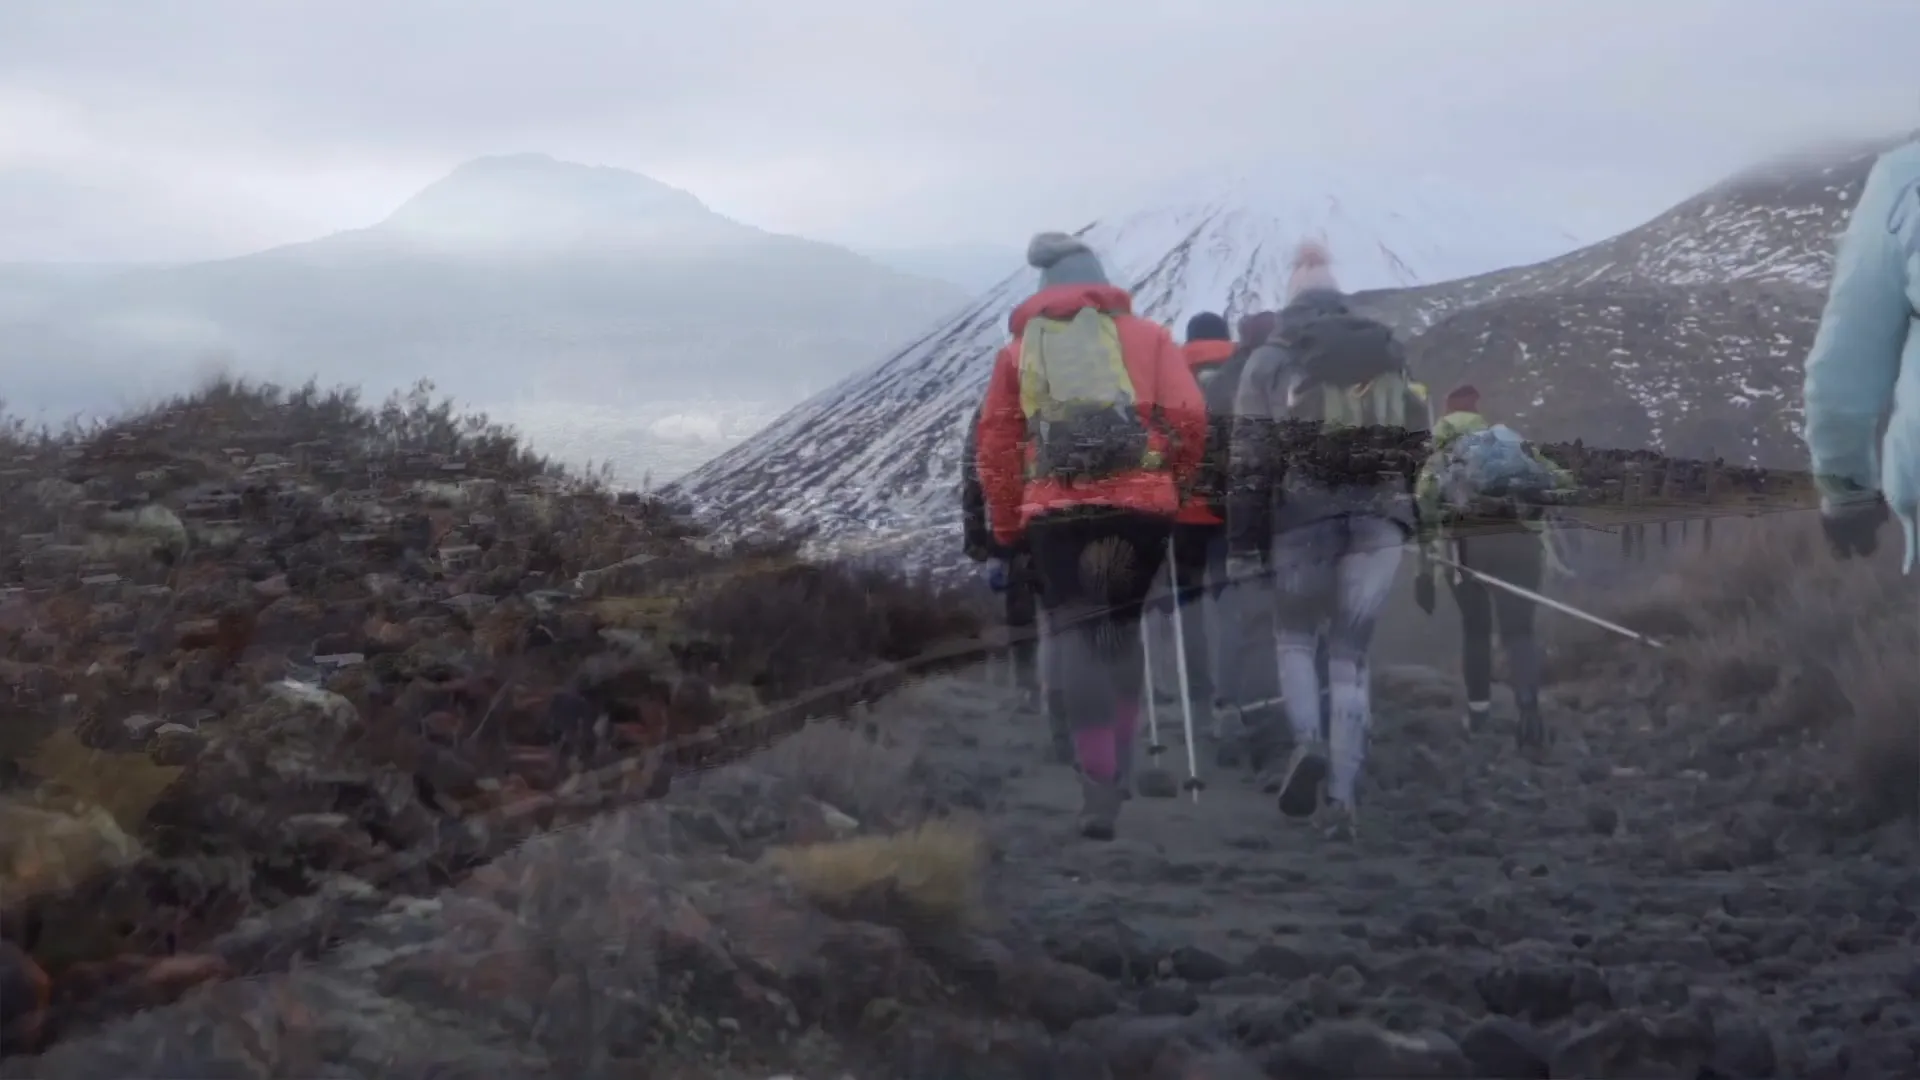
pixel 1615 883
pixel 1664 896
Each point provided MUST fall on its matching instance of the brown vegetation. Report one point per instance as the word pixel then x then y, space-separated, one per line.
pixel 258 643
pixel 1785 645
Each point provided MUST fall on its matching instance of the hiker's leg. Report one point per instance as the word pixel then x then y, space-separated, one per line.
pixel 1033 657
pixel 1078 676
pixel 1304 564
pixel 1143 541
pixel 1248 679
pixel 1189 556
pixel 1365 578
pixel 1322 658
pixel 1020 605
pixel 1476 631
pixel 1095 573
pixel 1518 558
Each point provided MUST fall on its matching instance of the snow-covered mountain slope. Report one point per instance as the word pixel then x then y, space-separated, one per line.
pixel 1696 371
pixel 1774 223
pixel 876 457
pixel 1684 335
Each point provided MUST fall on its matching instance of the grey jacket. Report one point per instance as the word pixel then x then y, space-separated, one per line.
pixel 1278 430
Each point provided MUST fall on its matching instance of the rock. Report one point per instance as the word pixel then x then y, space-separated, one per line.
pixel 1108 947
pixel 1502 1048
pixel 1168 999
pixel 1060 995
pixel 1357 1050
pixel 1287 962
pixel 1197 965
pixel 24 996
pixel 1131 1046
pixel 811 821
pixel 1156 783
pixel 1541 988
pixel 1632 1045
pixel 1603 819
pixel 1743 1047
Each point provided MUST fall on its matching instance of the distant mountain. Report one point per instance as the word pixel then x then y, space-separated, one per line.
pixel 878 455
pixel 513 277
pixel 974 267
pixel 1685 334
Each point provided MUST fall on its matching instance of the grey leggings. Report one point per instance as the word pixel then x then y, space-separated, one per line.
pixel 1332 578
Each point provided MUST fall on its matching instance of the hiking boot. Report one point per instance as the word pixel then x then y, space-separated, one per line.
pixel 1305 780
pixel 1532 732
pixel 1099 808
pixel 1337 820
pixel 1474 720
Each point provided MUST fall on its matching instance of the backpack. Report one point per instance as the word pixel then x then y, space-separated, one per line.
pixel 1349 342
pixel 1083 419
pixel 1493 472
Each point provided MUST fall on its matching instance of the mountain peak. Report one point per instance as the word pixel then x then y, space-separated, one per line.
pixel 534 197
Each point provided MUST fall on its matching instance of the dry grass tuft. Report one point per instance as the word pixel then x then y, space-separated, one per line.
pixel 1771 626
pixel 925 877
pixel 869 776
pixel 126 786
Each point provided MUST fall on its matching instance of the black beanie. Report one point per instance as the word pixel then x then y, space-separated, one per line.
pixel 1207 326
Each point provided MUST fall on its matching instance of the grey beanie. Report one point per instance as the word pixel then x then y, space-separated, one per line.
pixel 1064 260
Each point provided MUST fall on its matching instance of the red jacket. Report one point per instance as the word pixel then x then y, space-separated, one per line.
pixel 1169 402
pixel 1201 355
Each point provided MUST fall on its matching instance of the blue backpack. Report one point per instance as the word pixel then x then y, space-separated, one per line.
pixel 1493 469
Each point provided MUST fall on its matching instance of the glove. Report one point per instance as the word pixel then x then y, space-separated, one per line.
pixel 977 551
pixel 1423 589
pixel 1245 567
pixel 997 577
pixel 1853 526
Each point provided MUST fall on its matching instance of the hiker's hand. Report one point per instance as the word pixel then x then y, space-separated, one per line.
pixel 977 551
pixel 1243 569
pixel 1423 589
pixel 1853 527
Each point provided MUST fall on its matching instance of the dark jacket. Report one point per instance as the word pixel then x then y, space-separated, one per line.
pixel 976 533
pixel 1288 466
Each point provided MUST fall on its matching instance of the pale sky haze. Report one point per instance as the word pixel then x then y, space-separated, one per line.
pixel 197 128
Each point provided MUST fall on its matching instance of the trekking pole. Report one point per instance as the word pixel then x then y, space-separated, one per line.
pixel 1154 749
pixel 1548 601
pixel 1193 784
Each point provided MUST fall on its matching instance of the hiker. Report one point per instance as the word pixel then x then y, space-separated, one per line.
pixel 1014 579
pixel 1198 544
pixel 1488 513
pixel 1091 428
pixel 1864 368
pixel 1243 675
pixel 1329 433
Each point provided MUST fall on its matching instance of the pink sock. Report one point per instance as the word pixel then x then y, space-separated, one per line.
pixel 1098 754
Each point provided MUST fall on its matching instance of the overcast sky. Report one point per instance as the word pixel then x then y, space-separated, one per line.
pixel 199 127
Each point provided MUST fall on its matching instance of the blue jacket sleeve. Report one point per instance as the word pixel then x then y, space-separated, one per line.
pixel 1855 359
